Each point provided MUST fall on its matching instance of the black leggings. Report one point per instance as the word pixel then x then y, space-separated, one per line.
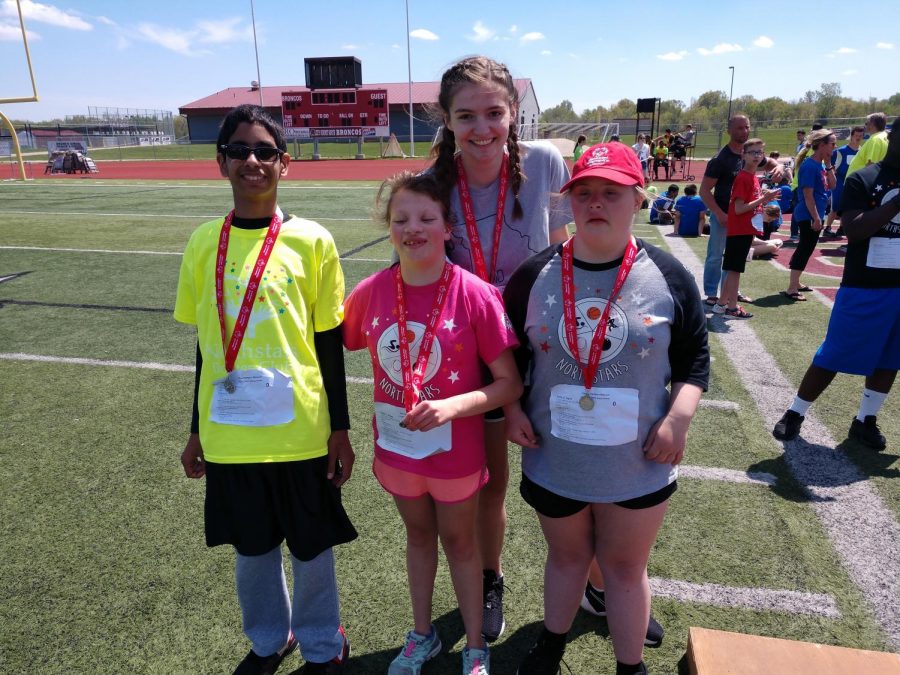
pixel 805 247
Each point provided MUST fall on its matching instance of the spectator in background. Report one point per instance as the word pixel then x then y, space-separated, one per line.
pixel 875 147
pixel 642 150
pixel 715 191
pixel 814 181
pixel 801 140
pixel 771 220
pixel 660 159
pixel 687 136
pixel 661 211
pixel 689 213
pixel 614 139
pixel 579 148
pixel 840 160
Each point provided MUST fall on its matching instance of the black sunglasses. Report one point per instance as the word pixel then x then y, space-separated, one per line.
pixel 264 153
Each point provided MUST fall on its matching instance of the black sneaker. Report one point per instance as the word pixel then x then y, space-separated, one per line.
pixel 594 602
pixel 254 664
pixel 868 433
pixel 788 427
pixel 492 621
pixel 543 659
pixel 333 667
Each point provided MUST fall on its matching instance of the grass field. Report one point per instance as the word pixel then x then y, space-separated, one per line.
pixel 105 569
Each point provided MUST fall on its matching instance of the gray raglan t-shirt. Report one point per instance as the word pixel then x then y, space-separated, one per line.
pixel 546 172
pixel 657 335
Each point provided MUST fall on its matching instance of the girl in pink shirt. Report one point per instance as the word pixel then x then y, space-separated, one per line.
pixel 430 328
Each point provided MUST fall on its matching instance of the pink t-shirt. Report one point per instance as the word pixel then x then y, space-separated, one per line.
pixel 472 330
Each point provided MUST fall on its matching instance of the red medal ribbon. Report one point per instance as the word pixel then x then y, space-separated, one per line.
pixel 412 377
pixel 240 325
pixel 465 199
pixel 568 289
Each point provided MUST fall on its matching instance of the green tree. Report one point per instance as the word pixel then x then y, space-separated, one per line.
pixel 560 113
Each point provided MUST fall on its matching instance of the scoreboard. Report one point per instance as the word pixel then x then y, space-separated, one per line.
pixel 335 113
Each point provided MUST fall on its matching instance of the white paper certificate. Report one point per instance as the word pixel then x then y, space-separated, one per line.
pixel 261 397
pixel 757 221
pixel 613 419
pixel 415 444
pixel 884 253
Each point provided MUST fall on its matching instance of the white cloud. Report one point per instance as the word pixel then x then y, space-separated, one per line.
pixel 223 31
pixel 846 50
pixel 106 20
pixel 178 41
pixel 513 29
pixel 395 46
pixel 850 72
pixel 423 34
pixel 672 56
pixel 12 32
pixel 481 33
pixel 534 36
pixel 546 52
pixel 349 48
pixel 763 42
pixel 721 48
pixel 884 45
pixel 35 11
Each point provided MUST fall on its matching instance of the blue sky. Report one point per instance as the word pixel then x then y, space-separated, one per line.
pixel 164 54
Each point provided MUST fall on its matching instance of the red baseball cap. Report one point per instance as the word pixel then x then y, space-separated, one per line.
pixel 615 162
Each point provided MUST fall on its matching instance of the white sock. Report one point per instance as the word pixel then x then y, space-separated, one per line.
pixel 800 406
pixel 870 404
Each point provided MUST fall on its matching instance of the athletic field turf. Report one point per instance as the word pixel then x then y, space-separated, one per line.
pixel 104 565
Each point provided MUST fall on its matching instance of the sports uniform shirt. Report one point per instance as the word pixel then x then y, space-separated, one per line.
pixel 840 160
pixel 657 335
pixel 546 172
pixel 300 293
pixel 864 190
pixel 473 330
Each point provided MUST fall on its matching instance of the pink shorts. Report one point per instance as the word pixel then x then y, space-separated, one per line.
pixel 408 485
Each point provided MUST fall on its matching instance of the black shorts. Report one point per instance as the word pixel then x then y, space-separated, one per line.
pixel 552 505
pixel 736 249
pixel 254 507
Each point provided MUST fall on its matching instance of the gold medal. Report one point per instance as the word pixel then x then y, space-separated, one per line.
pixel 586 402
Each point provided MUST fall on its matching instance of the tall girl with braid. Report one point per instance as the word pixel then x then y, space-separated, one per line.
pixel 500 189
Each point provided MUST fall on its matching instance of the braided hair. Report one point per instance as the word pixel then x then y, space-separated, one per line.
pixel 476 70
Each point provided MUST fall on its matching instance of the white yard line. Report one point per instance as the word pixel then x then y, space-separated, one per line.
pixel 53 249
pixel 760 599
pixel 726 475
pixel 719 405
pixel 198 217
pixel 863 531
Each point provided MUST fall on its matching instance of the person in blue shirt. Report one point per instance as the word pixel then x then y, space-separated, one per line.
pixel 840 160
pixel 661 208
pixel 690 213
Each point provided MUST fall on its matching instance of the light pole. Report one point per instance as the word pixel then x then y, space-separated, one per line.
pixel 412 145
pixel 256 51
pixel 730 92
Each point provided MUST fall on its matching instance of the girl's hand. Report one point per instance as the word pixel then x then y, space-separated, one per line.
pixel 666 441
pixel 428 415
pixel 518 427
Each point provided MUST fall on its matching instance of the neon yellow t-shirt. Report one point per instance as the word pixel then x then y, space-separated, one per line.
pixel 873 150
pixel 301 292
